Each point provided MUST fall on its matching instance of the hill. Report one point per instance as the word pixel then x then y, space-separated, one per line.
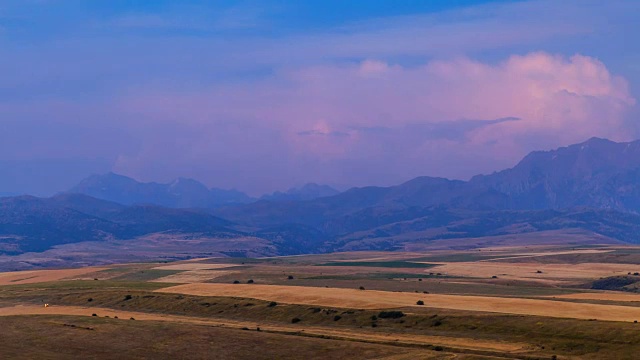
pixel 36 224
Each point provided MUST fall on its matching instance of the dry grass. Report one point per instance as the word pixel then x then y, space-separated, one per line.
pixel 192 266
pixel 71 337
pixel 606 296
pixel 195 276
pixel 370 299
pixel 38 276
pixel 550 273
pixel 406 339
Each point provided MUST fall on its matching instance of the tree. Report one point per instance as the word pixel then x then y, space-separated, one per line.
pixel 390 314
pixel 420 302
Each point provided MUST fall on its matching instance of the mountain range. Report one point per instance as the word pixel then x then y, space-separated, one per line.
pixel 308 191
pixel 183 192
pixel 588 191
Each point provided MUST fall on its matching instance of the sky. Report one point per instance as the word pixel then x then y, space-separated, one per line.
pixel 265 95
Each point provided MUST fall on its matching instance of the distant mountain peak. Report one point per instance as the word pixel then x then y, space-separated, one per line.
pixel 597 173
pixel 308 191
pixel 180 193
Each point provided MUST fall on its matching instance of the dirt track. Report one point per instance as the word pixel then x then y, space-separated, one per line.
pixel 461 343
pixel 371 299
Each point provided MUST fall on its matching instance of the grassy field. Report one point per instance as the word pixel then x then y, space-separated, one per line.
pixel 366 309
pixel 101 338
pixel 381 264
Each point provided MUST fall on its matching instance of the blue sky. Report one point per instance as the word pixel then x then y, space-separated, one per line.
pixel 264 95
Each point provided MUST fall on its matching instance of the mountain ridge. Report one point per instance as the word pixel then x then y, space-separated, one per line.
pixel 180 193
pixel 591 188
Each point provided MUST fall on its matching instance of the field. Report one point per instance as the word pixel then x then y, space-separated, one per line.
pixel 490 303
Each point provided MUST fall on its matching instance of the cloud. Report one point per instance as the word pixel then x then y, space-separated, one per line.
pixel 322 133
pixel 409 120
pixel 243 97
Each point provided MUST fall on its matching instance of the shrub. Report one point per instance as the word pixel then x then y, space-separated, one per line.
pixel 494 277
pixel 438 348
pixel 131 318
pixel 420 302
pixel 337 317
pixel 295 320
pixel 272 304
pixel 115 317
pixel 290 277
pixel 390 314
pixel 374 318
pixel 419 279
pixel 250 281
pixel 94 314
pixel 374 325
pixel 89 299
pixel 128 297
pixel 236 282
pixel 361 287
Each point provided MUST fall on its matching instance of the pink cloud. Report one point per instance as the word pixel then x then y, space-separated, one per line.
pixel 403 119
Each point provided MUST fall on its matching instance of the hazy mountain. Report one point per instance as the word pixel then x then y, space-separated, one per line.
pixel 29 223
pixel 181 193
pixel 597 173
pixel 306 192
pixel 589 189
pixel 7 194
pixel 419 192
